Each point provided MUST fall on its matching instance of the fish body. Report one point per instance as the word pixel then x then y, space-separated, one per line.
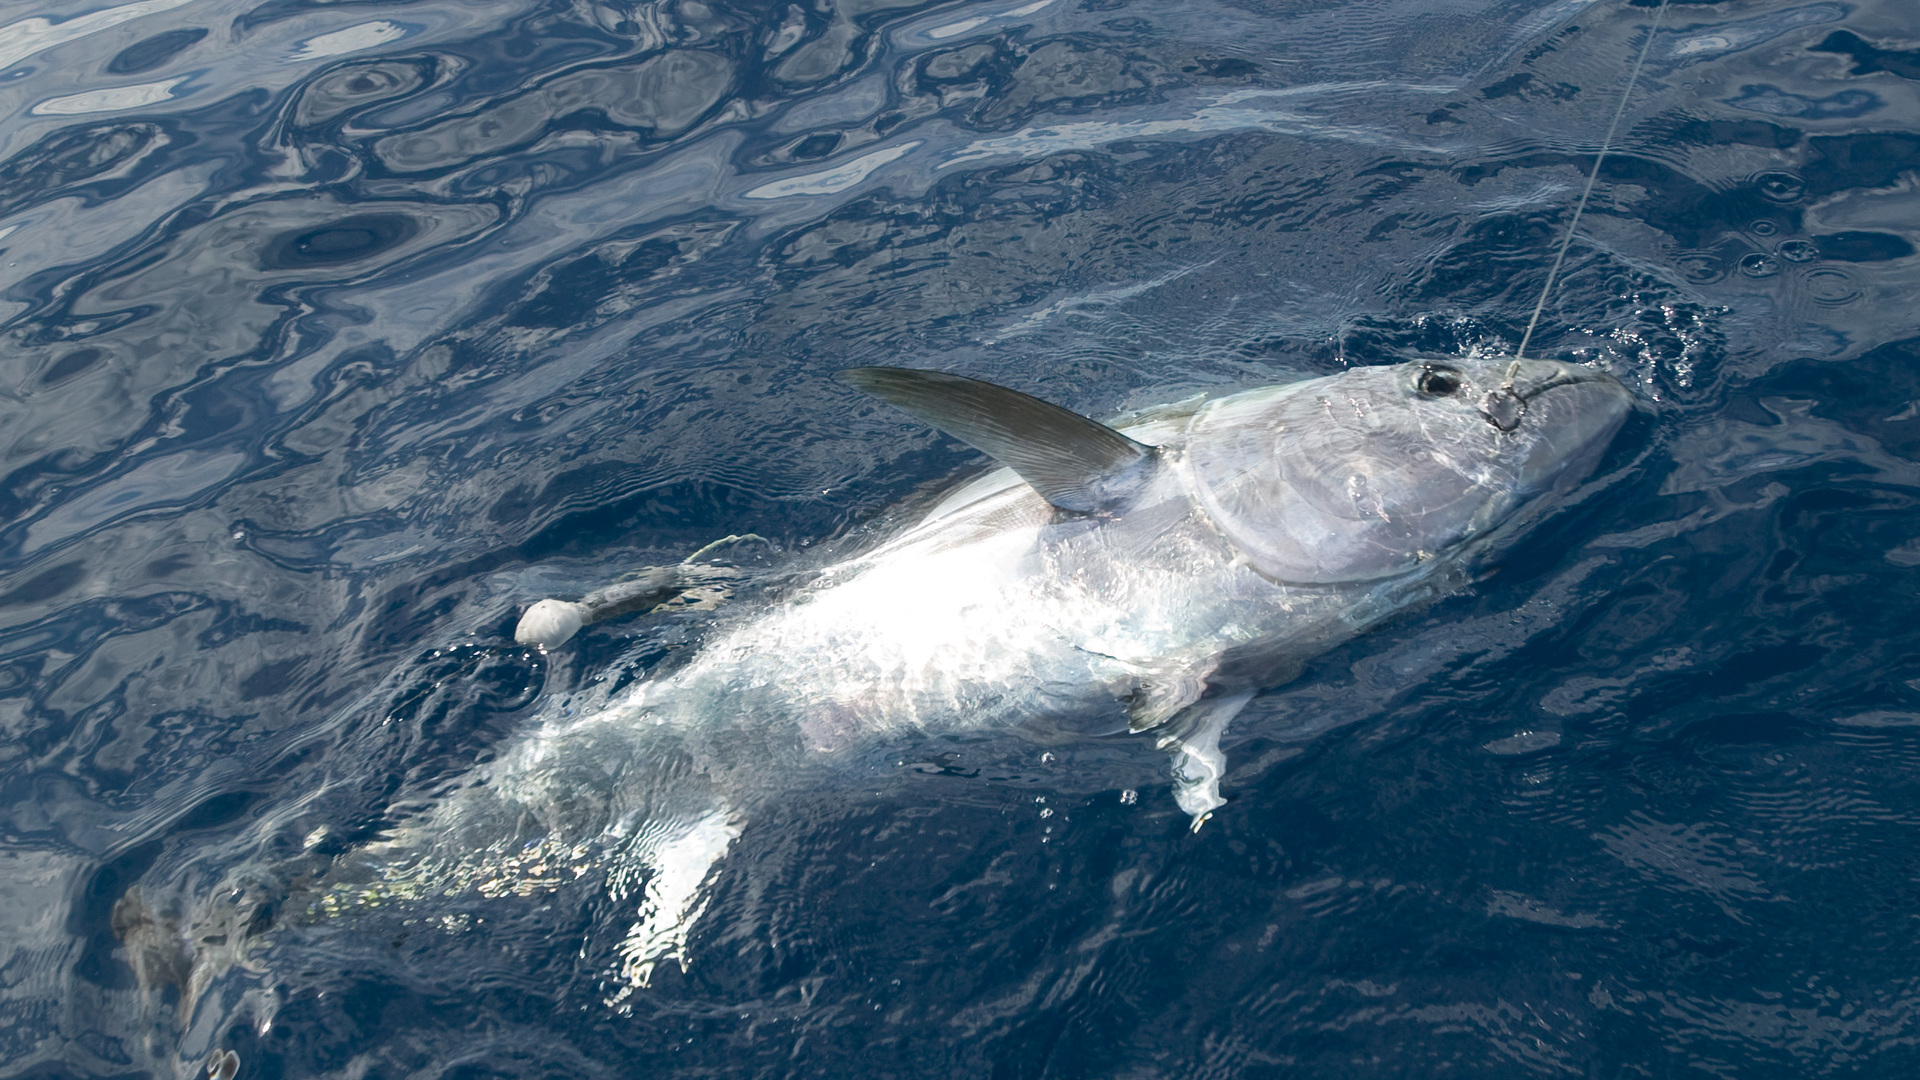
pixel 1147 578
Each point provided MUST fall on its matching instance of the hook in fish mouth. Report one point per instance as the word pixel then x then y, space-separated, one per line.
pixel 1506 405
pixel 1503 408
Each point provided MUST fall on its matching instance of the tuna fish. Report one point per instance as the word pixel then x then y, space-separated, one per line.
pixel 1144 579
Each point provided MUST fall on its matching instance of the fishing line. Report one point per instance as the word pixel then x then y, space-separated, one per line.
pixel 1587 193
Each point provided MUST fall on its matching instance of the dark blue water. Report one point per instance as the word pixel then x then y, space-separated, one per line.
pixel 334 333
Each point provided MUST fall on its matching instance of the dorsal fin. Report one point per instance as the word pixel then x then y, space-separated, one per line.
pixel 1073 462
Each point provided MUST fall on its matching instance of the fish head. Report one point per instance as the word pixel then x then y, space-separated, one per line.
pixel 1376 471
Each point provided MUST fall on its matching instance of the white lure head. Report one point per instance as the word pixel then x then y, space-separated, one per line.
pixel 550 623
pixel 1366 474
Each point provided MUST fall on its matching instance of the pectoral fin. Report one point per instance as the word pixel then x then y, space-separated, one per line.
pixel 679 860
pixel 1162 695
pixel 1074 463
pixel 1193 739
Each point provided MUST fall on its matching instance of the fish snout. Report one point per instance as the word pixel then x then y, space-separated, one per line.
pixel 1522 383
pixel 1567 413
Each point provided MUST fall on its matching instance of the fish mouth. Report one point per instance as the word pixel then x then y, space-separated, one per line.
pixel 1525 382
pixel 1562 416
pixel 1567 375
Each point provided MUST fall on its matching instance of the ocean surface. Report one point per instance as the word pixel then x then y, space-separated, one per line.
pixel 334 333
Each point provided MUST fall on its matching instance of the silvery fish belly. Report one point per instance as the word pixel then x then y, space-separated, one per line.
pixel 1135 581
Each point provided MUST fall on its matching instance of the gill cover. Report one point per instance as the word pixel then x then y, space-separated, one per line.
pixel 1366 474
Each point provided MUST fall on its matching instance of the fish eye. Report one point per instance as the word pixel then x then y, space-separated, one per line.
pixel 1439 382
